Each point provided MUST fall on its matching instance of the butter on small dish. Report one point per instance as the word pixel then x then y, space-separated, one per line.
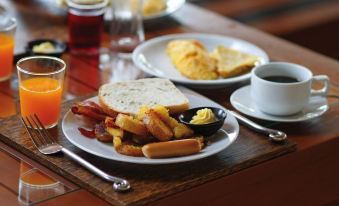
pixel 44 47
pixel 205 121
pixel 49 47
pixel 203 116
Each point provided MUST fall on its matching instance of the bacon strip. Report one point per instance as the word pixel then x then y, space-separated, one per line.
pixel 90 110
pixel 87 133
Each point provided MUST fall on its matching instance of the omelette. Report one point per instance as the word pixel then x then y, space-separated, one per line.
pixel 232 62
pixel 192 60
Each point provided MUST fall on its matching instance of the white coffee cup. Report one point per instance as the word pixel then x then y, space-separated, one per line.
pixel 277 98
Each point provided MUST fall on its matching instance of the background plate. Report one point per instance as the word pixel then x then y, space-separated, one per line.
pixel 172 6
pixel 151 57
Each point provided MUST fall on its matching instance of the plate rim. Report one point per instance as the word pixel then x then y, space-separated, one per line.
pixel 226 81
pixel 158 15
pixel 158 161
pixel 166 11
pixel 273 119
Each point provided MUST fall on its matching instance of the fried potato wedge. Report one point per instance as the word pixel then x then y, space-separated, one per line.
pixel 156 126
pixel 130 124
pixel 126 149
pixel 182 131
pixel 163 114
pixel 179 130
pixel 115 132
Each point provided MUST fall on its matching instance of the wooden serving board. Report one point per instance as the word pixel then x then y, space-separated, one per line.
pixel 149 182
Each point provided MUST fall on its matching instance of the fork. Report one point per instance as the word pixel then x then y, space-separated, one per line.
pixel 47 145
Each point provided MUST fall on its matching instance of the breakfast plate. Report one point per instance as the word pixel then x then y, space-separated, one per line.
pixel 218 142
pixel 152 58
pixel 241 100
pixel 171 6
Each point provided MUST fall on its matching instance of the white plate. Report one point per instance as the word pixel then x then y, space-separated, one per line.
pixel 151 57
pixel 171 6
pixel 219 141
pixel 241 100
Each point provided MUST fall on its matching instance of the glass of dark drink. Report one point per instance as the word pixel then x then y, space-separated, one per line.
pixel 126 27
pixel 85 25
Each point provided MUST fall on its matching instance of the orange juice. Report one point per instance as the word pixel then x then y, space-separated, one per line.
pixel 7 106
pixel 33 176
pixel 6 55
pixel 41 96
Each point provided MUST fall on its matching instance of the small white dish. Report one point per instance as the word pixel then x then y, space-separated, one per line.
pixel 219 141
pixel 241 100
pixel 171 6
pixel 151 57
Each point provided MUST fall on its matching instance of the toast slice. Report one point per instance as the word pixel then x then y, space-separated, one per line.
pixel 127 97
pixel 231 62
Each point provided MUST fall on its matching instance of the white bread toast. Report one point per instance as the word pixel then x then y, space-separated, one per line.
pixel 127 97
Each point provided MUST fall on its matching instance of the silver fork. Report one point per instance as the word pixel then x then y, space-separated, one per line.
pixel 47 145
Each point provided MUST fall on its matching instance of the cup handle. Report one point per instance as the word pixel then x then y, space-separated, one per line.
pixel 323 91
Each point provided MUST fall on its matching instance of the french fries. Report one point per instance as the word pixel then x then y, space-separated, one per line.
pixel 143 134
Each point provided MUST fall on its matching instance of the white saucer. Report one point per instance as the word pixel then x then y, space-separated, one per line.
pixel 241 100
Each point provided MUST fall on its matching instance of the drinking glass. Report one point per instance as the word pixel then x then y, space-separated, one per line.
pixel 7 32
pixel 41 81
pixel 126 27
pixel 35 186
pixel 85 25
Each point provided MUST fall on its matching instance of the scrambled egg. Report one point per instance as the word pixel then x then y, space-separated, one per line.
pixel 192 60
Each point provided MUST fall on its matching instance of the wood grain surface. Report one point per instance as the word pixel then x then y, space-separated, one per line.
pixel 154 183
pixel 149 183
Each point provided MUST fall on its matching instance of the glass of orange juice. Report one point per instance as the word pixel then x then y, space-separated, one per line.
pixel 7 32
pixel 35 186
pixel 41 81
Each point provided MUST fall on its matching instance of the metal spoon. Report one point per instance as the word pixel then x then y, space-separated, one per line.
pixel 275 135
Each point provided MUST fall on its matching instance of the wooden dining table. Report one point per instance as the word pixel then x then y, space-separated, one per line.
pixel 306 175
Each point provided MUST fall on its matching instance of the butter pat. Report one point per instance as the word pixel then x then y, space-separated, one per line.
pixel 203 116
pixel 45 47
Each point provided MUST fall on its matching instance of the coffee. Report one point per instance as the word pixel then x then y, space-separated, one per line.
pixel 281 79
pixel 287 89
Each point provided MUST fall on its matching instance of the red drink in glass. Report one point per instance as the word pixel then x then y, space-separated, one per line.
pixel 85 32
pixel 85 24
